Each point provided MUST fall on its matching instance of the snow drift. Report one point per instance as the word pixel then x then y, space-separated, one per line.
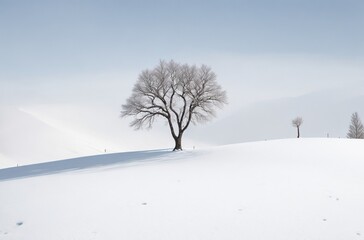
pixel 283 189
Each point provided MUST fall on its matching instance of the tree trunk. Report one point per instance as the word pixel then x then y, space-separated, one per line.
pixel 298 132
pixel 178 143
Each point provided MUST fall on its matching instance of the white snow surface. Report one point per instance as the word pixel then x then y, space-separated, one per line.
pixel 277 190
pixel 43 133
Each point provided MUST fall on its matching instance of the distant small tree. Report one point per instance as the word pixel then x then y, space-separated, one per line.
pixel 297 122
pixel 356 129
pixel 179 93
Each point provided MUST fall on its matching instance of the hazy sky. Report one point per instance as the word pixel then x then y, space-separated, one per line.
pixel 52 40
pixel 91 52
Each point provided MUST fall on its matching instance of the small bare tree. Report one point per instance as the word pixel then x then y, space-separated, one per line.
pixel 297 122
pixel 356 129
pixel 180 94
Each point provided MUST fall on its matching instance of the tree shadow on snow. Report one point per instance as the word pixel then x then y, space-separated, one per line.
pixel 80 163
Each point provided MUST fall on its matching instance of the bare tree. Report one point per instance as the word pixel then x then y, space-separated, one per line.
pixel 180 94
pixel 297 122
pixel 356 129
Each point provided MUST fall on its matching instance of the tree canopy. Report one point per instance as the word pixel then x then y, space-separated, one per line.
pixel 356 129
pixel 179 93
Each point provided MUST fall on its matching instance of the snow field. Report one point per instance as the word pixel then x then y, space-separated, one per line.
pixel 282 189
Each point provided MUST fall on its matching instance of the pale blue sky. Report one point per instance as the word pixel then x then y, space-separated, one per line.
pixel 75 63
pixel 56 38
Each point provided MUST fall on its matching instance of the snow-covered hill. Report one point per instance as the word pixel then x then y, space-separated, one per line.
pixel 324 113
pixel 283 189
pixel 41 133
pixel 28 138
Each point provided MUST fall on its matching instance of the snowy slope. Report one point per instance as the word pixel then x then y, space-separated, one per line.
pixel 5 162
pixel 324 112
pixel 40 133
pixel 283 189
pixel 27 138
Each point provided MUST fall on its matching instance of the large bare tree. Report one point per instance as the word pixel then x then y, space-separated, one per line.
pixel 179 93
pixel 356 129
pixel 297 122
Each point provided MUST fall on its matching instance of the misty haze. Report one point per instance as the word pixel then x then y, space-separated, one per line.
pixel 181 120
